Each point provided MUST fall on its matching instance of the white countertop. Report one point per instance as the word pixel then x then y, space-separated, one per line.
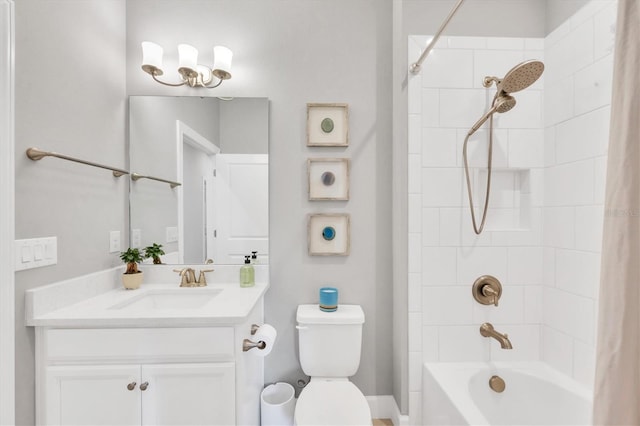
pixel 230 306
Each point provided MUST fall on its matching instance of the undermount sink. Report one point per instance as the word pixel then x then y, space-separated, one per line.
pixel 169 299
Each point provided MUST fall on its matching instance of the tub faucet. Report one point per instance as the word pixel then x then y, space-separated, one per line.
pixel 487 330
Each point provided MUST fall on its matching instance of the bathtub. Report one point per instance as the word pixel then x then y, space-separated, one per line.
pixel 535 394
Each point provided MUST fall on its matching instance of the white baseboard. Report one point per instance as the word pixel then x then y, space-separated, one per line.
pixel 385 407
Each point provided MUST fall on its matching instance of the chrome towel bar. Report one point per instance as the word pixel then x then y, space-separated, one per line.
pixel 36 154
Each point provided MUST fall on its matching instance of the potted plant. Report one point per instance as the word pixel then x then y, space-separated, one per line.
pixel 154 251
pixel 132 277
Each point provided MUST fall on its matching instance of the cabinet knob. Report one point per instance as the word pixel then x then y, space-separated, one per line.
pixel 131 386
pixel 144 386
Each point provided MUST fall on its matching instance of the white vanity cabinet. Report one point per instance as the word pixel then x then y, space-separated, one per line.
pixel 187 375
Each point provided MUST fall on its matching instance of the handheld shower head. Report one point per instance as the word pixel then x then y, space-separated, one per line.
pixel 502 103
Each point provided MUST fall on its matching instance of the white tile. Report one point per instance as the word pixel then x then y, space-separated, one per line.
pixel 478 147
pixel 415 332
pixel 549 267
pixel 415 213
pixel 429 107
pixel 589 224
pixel 448 68
pixel 468 237
pixel 557 350
pixel 439 265
pixel 570 184
pixel 524 265
pixel 534 43
pixel 463 343
pixel 583 137
pixel 415 371
pixel 600 179
pixel 593 86
pixel 605 31
pixel 536 187
pixel 578 272
pixel 477 261
pixel 570 54
pixel 570 314
pixel 526 148
pixel 586 12
pixel 549 145
pixel 414 93
pixel 530 236
pixel 584 363
pixel 446 305
pixel 504 43
pixel 415 292
pixel 415 253
pixel 415 44
pixel 494 63
pixel 501 219
pixel 510 309
pixel 459 42
pixel 558 107
pixel 442 187
pixel 415 134
pixel 430 343
pixel 504 189
pixel 439 147
pixel 430 227
pixel 533 304
pixel 525 340
pixel 461 108
pixel 559 229
pixel 527 114
pixel 415 174
pixel 556 35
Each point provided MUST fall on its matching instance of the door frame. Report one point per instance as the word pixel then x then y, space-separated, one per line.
pixel 7 213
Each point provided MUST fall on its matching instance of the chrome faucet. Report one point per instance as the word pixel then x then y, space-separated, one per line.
pixel 487 330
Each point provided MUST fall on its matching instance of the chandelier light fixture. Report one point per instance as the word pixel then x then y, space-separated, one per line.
pixel 192 73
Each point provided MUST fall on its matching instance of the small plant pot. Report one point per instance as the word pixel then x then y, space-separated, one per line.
pixel 132 281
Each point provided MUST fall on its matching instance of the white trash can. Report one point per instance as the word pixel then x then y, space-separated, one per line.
pixel 277 404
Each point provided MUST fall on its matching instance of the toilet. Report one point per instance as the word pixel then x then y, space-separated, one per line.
pixel 329 347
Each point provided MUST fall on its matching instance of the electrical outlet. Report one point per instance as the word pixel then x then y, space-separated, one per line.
pixel 172 234
pixel 114 241
pixel 136 238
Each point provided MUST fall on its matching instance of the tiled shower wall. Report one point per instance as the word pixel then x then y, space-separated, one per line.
pixel 543 232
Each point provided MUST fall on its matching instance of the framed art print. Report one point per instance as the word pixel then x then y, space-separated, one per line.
pixel 327 124
pixel 328 178
pixel 328 234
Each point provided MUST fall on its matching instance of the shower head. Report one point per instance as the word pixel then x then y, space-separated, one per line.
pixel 521 76
pixel 501 103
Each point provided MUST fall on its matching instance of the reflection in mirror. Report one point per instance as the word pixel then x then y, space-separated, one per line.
pixel 217 150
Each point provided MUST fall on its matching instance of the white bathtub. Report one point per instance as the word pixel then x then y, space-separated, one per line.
pixel 535 394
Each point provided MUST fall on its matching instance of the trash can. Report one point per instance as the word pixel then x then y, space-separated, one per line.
pixel 277 404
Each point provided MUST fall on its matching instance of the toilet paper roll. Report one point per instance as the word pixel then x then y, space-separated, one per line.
pixel 266 333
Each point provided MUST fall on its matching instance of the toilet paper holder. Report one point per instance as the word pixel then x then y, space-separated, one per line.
pixel 248 344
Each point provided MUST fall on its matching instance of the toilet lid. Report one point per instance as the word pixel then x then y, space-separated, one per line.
pixel 331 402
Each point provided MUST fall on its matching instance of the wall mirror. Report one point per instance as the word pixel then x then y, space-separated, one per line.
pixel 202 170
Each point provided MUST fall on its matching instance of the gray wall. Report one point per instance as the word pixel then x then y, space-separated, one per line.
pixel 294 52
pixel 70 98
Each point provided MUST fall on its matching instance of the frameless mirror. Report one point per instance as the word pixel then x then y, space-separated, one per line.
pixel 201 168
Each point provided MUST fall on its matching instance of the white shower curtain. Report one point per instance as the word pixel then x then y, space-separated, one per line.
pixel 617 382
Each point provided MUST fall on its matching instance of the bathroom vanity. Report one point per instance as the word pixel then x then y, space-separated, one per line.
pixel 158 355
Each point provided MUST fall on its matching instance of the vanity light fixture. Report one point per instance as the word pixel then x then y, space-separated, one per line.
pixel 192 73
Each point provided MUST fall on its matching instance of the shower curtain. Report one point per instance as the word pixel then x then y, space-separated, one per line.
pixel 617 381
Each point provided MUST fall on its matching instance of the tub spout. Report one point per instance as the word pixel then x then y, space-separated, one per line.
pixel 487 330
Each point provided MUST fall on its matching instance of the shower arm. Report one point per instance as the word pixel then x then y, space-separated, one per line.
pixel 417 65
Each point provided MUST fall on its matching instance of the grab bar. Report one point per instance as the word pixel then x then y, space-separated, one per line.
pixel 136 176
pixel 36 154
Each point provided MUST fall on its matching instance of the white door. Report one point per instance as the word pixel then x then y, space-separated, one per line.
pixel 189 394
pixel 93 395
pixel 242 188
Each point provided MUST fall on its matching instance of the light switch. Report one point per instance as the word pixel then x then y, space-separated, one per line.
pixel 36 252
pixel 172 234
pixel 136 238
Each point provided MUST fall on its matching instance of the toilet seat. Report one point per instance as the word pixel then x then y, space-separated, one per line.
pixel 332 402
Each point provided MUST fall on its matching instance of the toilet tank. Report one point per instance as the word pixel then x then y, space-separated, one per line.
pixel 330 342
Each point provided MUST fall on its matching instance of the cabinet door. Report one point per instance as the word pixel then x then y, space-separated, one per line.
pixel 93 395
pixel 189 394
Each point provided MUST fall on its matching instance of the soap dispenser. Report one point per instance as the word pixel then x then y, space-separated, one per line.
pixel 247 274
pixel 254 257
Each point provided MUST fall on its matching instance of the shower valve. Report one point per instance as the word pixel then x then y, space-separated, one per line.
pixel 487 290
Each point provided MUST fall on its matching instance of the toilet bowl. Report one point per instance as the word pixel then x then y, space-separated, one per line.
pixel 329 347
pixel 332 402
